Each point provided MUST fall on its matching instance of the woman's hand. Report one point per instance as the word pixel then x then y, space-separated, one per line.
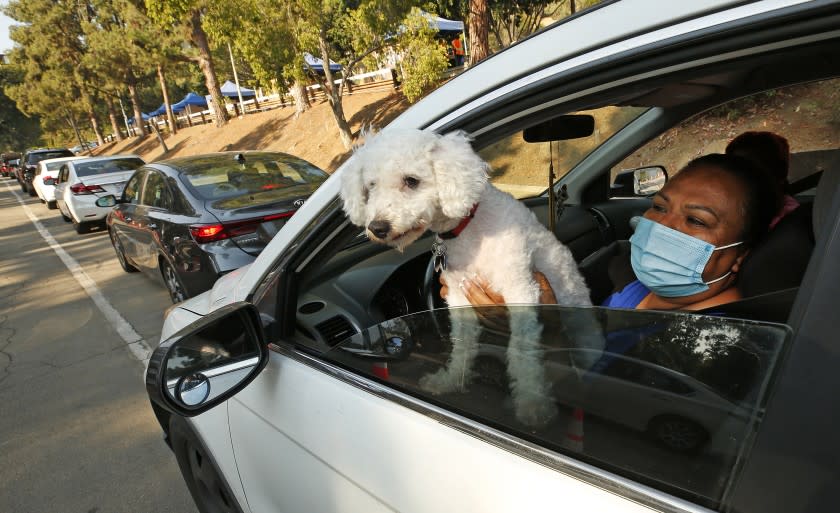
pixel 479 293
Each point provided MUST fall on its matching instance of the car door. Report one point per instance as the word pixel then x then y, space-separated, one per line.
pixel 124 216
pixel 167 215
pixel 150 215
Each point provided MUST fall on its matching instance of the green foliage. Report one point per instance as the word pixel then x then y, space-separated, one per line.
pixel 17 131
pixel 424 59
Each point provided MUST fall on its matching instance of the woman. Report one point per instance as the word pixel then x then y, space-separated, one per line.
pixel 690 244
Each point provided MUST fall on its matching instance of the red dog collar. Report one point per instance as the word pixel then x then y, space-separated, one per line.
pixel 451 234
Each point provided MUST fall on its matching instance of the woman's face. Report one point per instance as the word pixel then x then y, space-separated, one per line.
pixel 706 203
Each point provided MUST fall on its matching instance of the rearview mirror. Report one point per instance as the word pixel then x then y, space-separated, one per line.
pixel 106 201
pixel 572 126
pixel 209 361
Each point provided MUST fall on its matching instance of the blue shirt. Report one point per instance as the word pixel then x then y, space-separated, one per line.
pixel 628 297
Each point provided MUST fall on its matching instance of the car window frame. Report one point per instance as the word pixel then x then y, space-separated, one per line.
pixel 139 174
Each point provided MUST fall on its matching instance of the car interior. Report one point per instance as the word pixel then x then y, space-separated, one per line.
pixel 346 284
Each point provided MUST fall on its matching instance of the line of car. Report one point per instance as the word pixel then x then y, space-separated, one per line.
pixel 186 221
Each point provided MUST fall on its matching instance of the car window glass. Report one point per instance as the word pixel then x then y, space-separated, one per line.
pixel 521 168
pixel 155 192
pixel 131 192
pixel 668 399
pixel 99 167
pixel 805 114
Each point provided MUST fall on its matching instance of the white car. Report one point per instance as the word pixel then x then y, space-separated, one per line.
pixel 295 383
pixel 82 181
pixel 45 176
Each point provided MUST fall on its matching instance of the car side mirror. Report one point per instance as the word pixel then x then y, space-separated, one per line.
pixel 209 361
pixel 107 201
pixel 641 181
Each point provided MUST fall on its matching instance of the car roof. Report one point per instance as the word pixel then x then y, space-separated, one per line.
pixel 193 163
pixel 59 159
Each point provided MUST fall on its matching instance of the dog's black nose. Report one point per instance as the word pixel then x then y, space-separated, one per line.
pixel 380 228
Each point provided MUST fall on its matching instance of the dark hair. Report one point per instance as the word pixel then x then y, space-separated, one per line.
pixel 769 151
pixel 763 199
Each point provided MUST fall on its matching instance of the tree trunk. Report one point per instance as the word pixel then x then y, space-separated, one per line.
pixel 87 101
pixel 301 98
pixel 477 25
pixel 572 6
pixel 205 62
pixel 139 127
pixel 173 127
pixel 112 115
pixel 333 94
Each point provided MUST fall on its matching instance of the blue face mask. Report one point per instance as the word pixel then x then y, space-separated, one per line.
pixel 671 263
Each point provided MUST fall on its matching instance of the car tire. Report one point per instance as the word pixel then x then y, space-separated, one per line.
pixel 177 293
pixel 52 205
pixel 66 218
pixel 32 191
pixel 118 249
pixel 80 227
pixel 678 433
pixel 204 481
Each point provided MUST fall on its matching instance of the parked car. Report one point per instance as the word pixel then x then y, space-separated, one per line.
pixel 192 219
pixel 295 383
pixel 30 162
pixel 44 181
pixel 6 167
pixel 82 181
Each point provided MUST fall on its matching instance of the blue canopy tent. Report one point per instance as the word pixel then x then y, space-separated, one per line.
pixel 191 99
pixel 444 25
pixel 317 65
pixel 146 117
pixel 160 111
pixel 229 89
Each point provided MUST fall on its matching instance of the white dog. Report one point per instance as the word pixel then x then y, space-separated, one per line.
pixel 402 183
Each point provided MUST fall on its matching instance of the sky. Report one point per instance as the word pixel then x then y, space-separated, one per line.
pixel 5 43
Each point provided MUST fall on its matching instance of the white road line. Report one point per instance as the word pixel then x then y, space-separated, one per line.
pixel 134 342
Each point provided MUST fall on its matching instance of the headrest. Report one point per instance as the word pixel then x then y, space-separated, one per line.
pixel 826 190
pixel 780 259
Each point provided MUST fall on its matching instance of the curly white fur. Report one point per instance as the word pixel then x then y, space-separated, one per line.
pixel 404 182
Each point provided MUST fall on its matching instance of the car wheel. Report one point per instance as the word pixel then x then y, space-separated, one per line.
pixel 118 249
pixel 51 205
pixel 32 191
pixel 678 433
pixel 173 283
pixel 207 487
pixel 66 218
pixel 80 227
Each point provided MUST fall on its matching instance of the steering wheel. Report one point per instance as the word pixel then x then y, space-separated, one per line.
pixel 223 188
pixel 431 286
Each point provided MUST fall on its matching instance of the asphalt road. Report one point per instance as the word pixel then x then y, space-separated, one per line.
pixel 76 430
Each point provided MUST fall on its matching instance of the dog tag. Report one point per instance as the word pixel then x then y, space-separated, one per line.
pixel 439 251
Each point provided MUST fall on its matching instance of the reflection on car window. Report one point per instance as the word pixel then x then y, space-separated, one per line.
pixel 155 193
pixel 668 399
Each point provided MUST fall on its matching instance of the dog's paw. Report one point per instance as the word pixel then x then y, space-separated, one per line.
pixel 441 382
pixel 535 411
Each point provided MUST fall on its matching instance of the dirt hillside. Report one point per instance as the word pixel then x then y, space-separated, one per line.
pixel 312 136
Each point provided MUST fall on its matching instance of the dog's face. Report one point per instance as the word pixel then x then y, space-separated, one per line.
pixel 402 183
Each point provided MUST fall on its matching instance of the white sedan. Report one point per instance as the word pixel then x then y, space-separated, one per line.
pixel 82 181
pixel 296 383
pixel 45 176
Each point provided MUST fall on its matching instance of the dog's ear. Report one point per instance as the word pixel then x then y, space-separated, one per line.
pixel 353 192
pixel 460 173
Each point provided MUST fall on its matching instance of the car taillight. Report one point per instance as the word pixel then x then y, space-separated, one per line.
pixel 80 189
pixel 203 233
pixel 48 180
